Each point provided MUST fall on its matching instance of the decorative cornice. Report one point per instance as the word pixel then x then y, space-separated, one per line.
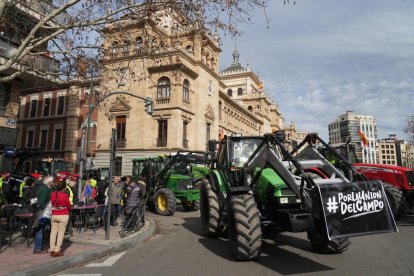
pixel 173 67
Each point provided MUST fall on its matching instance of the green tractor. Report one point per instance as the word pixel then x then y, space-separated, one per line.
pixel 174 179
pixel 257 185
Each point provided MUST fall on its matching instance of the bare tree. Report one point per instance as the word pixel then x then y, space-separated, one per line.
pixel 70 32
pixel 409 129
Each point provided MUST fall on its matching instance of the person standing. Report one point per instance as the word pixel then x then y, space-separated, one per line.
pixel 29 194
pixel 60 217
pixel 132 196
pixel 115 199
pixel 102 186
pixel 43 198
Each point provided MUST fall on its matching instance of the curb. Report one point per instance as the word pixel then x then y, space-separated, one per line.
pixel 85 257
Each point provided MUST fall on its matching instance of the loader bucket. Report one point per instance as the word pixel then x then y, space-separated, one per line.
pixel 356 209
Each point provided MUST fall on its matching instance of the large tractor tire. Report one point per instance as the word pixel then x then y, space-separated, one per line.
pixel 245 231
pixel 396 199
pixel 320 243
pixel 209 210
pixel 165 202
pixel 191 206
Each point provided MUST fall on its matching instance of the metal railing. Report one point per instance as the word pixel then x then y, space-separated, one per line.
pixel 121 143
pixel 162 142
pixel 162 100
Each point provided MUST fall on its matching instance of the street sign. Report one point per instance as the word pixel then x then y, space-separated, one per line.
pixel 10 122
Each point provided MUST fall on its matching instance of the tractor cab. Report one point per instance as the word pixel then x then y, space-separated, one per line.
pixel 148 168
pixel 51 166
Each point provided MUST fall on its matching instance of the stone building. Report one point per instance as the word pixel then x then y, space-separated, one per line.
pixel 19 20
pixel 393 151
pixel 50 119
pixel 166 57
pixel 345 128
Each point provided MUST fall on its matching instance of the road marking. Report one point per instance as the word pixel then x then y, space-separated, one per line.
pixel 108 262
pixel 79 274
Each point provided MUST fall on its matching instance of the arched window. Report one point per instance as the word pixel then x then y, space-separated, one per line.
pixel 250 108
pixel 189 49
pixel 230 93
pixel 115 47
pixel 138 45
pixel 163 88
pixel 186 91
pixel 239 91
pixel 126 48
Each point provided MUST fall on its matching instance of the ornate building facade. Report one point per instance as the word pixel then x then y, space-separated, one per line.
pixel 176 63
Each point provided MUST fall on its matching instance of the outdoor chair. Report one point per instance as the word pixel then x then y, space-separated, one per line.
pixel 93 217
pixel 6 215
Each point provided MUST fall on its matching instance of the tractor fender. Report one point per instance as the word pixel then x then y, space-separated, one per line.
pixel 215 186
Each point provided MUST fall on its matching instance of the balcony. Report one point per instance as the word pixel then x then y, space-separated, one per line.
pixel 40 63
pixel 162 142
pixel 120 143
pixel 39 9
pixel 163 100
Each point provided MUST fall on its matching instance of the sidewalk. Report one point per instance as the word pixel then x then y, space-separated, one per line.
pixel 18 259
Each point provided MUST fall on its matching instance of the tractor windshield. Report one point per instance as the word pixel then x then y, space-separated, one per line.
pixel 142 167
pixel 241 149
pixel 138 167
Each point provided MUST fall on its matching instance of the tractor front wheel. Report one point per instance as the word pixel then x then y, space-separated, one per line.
pixel 245 230
pixel 165 202
pixel 209 210
pixel 320 242
pixel 190 206
pixel 396 199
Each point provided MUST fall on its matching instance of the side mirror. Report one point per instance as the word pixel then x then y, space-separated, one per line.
pixel 280 135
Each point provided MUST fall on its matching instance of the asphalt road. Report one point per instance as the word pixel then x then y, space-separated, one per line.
pixel 179 249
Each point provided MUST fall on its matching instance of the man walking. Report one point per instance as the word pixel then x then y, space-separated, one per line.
pixel 43 199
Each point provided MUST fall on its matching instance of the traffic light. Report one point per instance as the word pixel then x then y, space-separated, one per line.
pixel 149 108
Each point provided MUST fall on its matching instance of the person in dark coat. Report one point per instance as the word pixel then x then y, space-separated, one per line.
pixel 30 194
pixel 102 186
pixel 132 195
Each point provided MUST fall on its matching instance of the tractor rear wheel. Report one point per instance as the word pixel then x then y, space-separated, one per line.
pixel 209 210
pixel 190 206
pixel 165 202
pixel 396 199
pixel 244 225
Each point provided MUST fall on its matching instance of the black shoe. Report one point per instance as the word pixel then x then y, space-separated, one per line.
pixel 40 251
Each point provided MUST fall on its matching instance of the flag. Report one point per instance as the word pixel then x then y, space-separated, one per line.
pixel 364 139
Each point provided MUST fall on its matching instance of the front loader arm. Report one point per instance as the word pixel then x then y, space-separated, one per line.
pixel 265 157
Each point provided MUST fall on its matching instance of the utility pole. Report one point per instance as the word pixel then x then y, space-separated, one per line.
pixel 111 164
pixel 89 115
pixel 81 163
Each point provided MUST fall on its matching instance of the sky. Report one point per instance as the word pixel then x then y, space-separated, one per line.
pixel 319 59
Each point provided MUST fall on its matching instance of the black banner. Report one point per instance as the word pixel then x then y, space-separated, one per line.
pixel 356 209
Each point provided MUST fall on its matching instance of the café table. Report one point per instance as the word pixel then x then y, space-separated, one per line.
pixel 82 209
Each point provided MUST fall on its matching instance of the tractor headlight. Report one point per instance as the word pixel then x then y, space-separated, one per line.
pixel 185 185
pixel 284 200
pixel 249 178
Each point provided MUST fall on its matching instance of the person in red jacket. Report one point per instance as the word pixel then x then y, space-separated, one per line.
pixel 60 217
